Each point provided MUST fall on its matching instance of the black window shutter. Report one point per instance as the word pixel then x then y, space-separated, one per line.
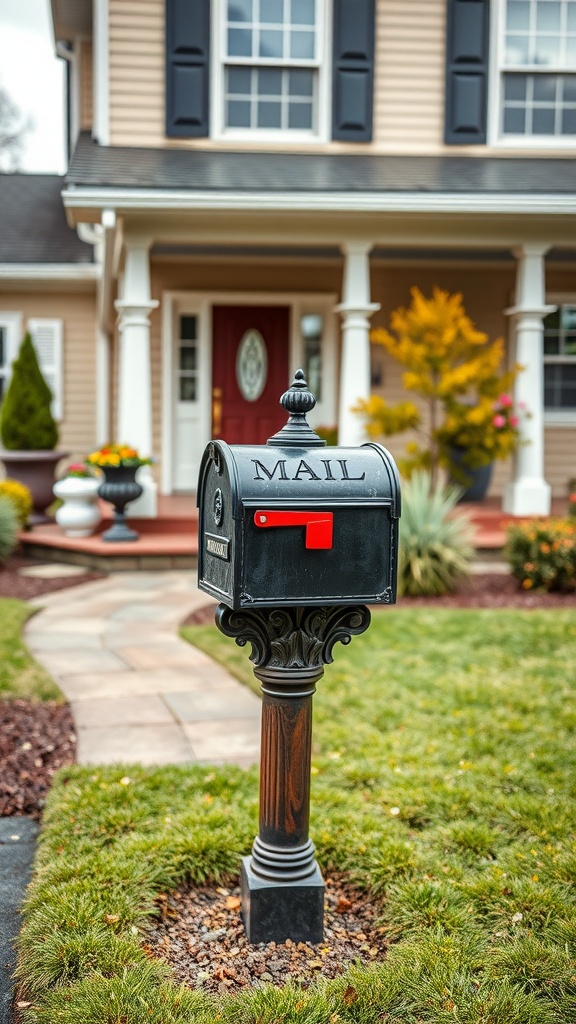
pixel 353 70
pixel 467 42
pixel 187 68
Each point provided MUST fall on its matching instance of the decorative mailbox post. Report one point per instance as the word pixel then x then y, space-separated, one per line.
pixel 295 539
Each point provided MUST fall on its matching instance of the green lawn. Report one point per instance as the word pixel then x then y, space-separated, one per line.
pixel 20 675
pixel 443 780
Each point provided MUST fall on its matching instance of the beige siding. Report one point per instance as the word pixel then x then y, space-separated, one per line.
pixel 86 84
pixel 77 311
pixel 137 73
pixel 408 93
pixel 409 82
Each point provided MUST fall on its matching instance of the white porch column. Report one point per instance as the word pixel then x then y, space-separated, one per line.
pixel 528 493
pixel 356 309
pixel 134 373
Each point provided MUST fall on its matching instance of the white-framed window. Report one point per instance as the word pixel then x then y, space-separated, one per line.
pixel 560 362
pixel 270 75
pixel 536 63
pixel 10 336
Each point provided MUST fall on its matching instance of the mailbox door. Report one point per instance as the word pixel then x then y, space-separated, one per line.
pixel 216 536
pixel 318 553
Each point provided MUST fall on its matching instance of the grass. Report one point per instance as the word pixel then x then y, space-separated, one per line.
pixel 20 675
pixel 443 781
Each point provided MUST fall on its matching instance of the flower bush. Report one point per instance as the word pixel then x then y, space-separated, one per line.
pixel 117 455
pixel 487 430
pixel 20 497
pixel 542 554
pixel 80 470
pixel 456 371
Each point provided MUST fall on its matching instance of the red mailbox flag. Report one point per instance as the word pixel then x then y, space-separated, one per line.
pixel 319 525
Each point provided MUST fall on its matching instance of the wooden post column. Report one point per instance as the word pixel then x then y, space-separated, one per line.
pixel 282 888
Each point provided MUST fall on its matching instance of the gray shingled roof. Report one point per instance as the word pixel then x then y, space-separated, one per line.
pixel 33 226
pixel 220 171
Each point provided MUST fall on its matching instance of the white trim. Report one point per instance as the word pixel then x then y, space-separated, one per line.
pixel 49 271
pixel 321 64
pixel 103 389
pixel 559 418
pixel 13 324
pixel 101 73
pixel 552 204
pixel 202 304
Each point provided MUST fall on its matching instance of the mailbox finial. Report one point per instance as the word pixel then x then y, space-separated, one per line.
pixel 297 432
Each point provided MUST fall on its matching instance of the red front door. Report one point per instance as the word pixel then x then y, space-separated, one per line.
pixel 249 371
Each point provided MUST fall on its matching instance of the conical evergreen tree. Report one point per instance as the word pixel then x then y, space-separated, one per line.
pixel 26 420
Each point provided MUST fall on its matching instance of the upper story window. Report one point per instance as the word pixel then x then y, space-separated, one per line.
pixel 272 57
pixel 538 83
pixel 276 71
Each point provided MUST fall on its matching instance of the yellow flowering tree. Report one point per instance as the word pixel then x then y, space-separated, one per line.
pixel 456 370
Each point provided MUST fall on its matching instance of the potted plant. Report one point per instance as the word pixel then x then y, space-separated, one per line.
pixel 79 514
pixel 119 464
pixel 465 418
pixel 28 430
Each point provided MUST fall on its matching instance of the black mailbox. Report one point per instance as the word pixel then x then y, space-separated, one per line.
pixel 293 522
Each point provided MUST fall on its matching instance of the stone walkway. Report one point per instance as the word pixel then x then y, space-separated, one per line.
pixel 138 692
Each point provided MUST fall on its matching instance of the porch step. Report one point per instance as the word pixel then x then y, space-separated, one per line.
pixel 164 543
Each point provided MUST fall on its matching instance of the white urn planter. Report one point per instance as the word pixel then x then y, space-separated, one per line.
pixel 80 514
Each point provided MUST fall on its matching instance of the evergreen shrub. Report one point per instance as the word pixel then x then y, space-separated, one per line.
pixel 8 528
pixel 20 497
pixel 26 420
pixel 435 542
pixel 542 554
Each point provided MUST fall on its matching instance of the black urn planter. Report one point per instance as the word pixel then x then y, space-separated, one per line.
pixel 474 481
pixel 119 488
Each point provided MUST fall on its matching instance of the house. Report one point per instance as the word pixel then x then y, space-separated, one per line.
pixel 264 180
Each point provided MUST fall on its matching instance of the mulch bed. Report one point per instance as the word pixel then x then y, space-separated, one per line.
pixel 200 934
pixel 35 740
pixel 26 588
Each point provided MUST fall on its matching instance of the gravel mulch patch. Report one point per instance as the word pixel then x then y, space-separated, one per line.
pixel 35 740
pixel 200 934
pixel 26 588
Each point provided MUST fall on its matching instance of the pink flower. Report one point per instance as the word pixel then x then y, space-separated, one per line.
pixel 499 421
pixel 513 421
pixel 522 405
pixel 505 401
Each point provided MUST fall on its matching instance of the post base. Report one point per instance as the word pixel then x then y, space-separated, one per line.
pixel 529 496
pixel 276 911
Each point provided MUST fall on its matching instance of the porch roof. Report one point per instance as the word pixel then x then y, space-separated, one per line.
pixel 218 171
pixel 33 226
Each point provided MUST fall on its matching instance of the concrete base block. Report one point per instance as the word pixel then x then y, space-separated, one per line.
pixel 276 911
